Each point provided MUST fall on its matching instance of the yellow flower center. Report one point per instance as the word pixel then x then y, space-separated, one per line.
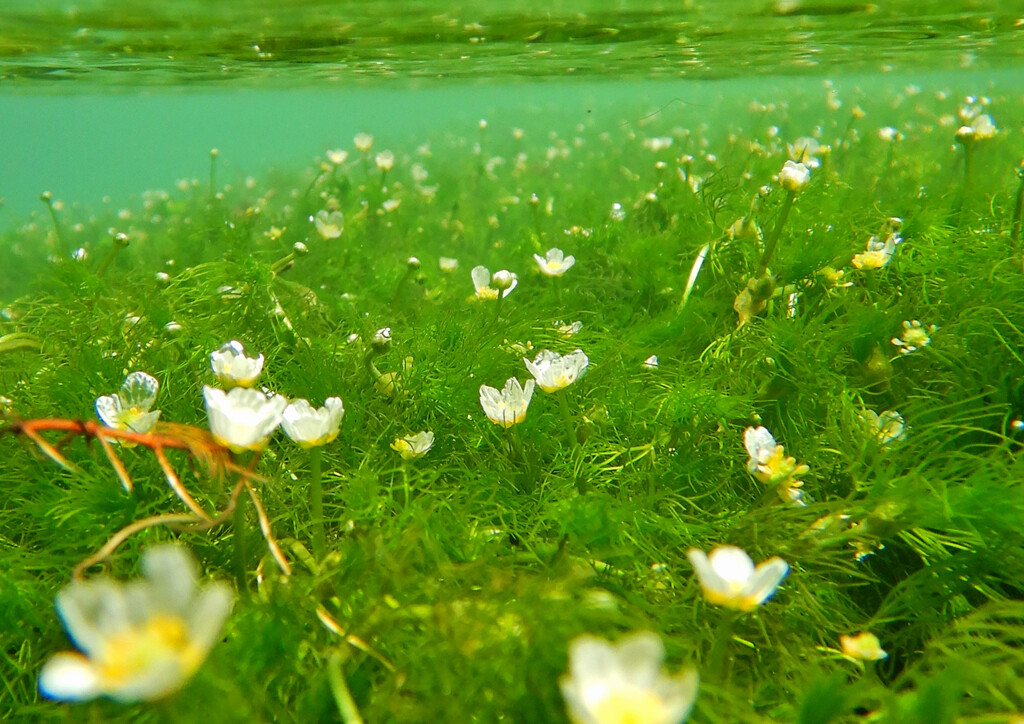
pixel 130 653
pixel 631 706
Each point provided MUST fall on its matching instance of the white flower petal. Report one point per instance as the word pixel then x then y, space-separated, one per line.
pixel 69 677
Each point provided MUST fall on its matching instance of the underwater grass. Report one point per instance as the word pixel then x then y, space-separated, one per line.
pixel 457 581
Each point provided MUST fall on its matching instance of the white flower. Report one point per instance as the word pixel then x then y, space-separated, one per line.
pixel 769 463
pixel 554 371
pixel 138 641
pixel 914 336
pixel 505 281
pixel 794 177
pixel 415 446
pixel 568 330
pixel 385 161
pixel 658 143
pixel 554 263
pixel 878 253
pixel 242 419
pixel 623 683
pixel 887 427
pixel 233 368
pixel 806 150
pixel 337 156
pixel 729 578
pixel 651 362
pixel 889 134
pixel 448 264
pixel 129 409
pixel 363 142
pixel 864 646
pixel 310 427
pixel 507 407
pixel 329 224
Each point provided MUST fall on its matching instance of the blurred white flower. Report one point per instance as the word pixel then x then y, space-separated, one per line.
pixel 139 641
pixel 504 281
pixel 554 371
pixel 554 263
pixel 448 264
pixel 312 427
pixel 806 150
pixel 914 336
pixel 568 330
pixel 363 142
pixel 887 427
pixel 624 683
pixel 651 362
pixel 769 463
pixel 864 647
pixel 729 579
pixel 329 224
pixel 415 446
pixel 385 161
pixel 232 368
pixel 130 409
pixel 794 177
pixel 242 419
pixel 878 253
pixel 508 406
pixel 337 156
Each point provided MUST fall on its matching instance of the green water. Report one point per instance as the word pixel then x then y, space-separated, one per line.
pixel 436 560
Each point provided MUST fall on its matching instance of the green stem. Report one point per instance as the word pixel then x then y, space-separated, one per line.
pixel 965 192
pixel 339 688
pixel 570 425
pixel 773 240
pixel 120 242
pixel 721 643
pixel 47 198
pixel 316 501
pixel 557 281
pixel 239 533
pixel 213 171
pixel 497 306
pixel 1018 206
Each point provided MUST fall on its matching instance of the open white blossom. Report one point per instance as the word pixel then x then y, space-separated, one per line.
pixel 385 161
pixel 138 641
pixel 729 579
pixel 794 176
pixel 414 446
pixel 504 282
pixel 363 142
pixel 554 263
pixel 448 264
pixel 887 427
pixel 624 683
pixel 312 427
pixel 131 408
pixel 243 419
pixel 553 371
pixel 864 647
pixel 914 336
pixel 878 253
pixel 769 463
pixel 329 224
pixel 507 406
pixel 233 368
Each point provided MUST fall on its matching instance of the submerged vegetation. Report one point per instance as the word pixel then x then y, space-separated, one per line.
pixel 784 330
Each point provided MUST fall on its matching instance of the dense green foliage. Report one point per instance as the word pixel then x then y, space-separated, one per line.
pixel 466 573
